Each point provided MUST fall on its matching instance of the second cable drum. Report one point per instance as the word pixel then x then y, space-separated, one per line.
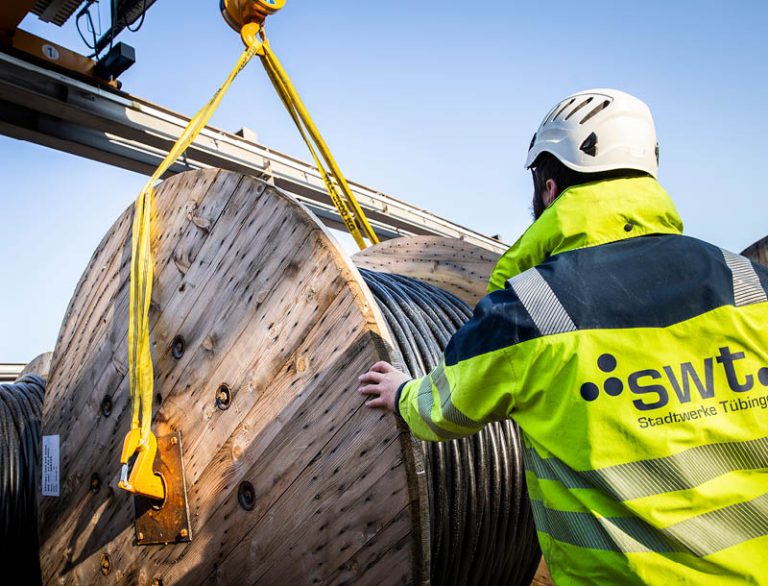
pixel 482 529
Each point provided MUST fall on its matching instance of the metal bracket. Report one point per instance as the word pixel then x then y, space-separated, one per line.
pixel 167 523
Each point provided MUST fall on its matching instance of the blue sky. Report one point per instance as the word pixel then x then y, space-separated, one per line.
pixel 431 102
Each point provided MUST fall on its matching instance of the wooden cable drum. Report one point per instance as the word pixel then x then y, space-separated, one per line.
pixel 451 264
pixel 260 326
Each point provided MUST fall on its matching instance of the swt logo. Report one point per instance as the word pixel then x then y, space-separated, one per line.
pixel 654 388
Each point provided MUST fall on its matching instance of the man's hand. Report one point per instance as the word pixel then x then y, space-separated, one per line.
pixel 381 384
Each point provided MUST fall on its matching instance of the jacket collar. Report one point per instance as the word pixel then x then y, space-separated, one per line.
pixel 589 215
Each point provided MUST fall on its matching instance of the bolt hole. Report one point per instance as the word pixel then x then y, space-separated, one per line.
pixel 246 495
pixel 95 483
pixel 158 398
pixel 223 397
pixel 158 504
pixel 177 347
pixel 106 406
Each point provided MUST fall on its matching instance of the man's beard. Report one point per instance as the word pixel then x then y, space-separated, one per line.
pixel 537 206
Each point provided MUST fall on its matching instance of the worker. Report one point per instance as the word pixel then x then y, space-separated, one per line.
pixel 633 359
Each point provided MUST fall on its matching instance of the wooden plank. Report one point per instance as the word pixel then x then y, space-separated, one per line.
pixel 758 252
pixel 268 305
pixel 115 438
pixel 454 265
pixel 113 249
pixel 108 355
pixel 40 365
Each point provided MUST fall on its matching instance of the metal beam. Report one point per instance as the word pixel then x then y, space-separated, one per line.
pixel 10 372
pixel 55 110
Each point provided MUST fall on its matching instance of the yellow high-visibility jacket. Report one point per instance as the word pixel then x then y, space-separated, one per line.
pixel 635 361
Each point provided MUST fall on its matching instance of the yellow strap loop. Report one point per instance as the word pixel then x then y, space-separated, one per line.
pixel 141 374
pixel 333 179
pixel 346 217
pixel 139 355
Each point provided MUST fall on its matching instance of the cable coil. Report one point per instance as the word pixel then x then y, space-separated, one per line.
pixel 21 408
pixel 482 529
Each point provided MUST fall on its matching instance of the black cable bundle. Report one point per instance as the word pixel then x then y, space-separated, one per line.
pixel 21 409
pixel 482 525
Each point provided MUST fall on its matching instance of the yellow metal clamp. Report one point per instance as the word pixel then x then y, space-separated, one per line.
pixel 141 478
pixel 238 13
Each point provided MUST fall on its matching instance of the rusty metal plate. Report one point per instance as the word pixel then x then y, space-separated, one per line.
pixel 169 523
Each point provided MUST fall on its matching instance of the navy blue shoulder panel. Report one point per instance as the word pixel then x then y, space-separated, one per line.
pixel 499 320
pixel 648 281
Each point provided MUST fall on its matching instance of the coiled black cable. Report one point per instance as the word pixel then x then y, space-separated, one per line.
pixel 21 408
pixel 481 520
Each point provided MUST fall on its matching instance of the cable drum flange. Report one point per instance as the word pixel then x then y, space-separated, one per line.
pixel 482 529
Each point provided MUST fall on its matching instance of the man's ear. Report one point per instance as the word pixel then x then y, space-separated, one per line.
pixel 551 192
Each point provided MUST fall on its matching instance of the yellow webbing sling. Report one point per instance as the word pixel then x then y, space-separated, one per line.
pixel 334 180
pixel 140 441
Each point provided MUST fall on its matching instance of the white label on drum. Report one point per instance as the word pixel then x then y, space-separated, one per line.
pixel 50 465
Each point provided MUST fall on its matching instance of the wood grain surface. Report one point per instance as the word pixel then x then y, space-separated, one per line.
pixel 40 365
pixel 758 252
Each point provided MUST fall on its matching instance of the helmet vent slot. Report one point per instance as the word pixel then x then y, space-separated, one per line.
pixel 579 107
pixel 589 146
pixel 560 111
pixel 550 115
pixel 595 110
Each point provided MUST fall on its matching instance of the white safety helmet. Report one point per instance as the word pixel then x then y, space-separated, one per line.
pixel 599 130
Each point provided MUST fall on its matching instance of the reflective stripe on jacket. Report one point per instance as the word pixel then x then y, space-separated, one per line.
pixel 635 361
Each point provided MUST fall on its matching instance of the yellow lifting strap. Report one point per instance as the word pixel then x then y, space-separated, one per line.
pixel 334 179
pixel 140 441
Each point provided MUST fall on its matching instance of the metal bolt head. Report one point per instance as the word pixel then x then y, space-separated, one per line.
pixel 174 440
pixel 95 483
pixel 223 397
pixel 184 533
pixel 246 495
pixel 140 536
pixel 106 406
pixel 106 565
pixel 177 347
